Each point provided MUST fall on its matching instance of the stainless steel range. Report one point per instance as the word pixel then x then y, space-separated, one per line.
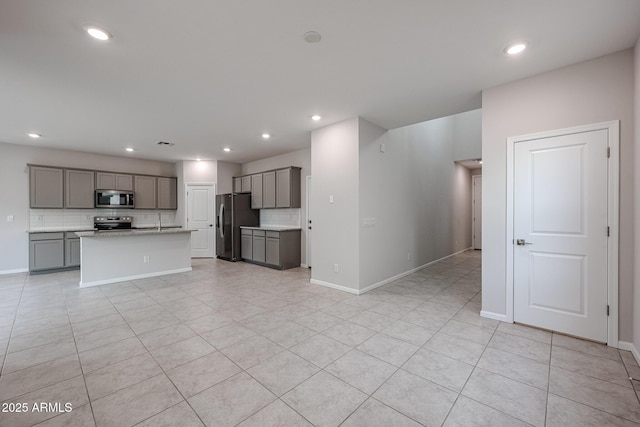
pixel 112 223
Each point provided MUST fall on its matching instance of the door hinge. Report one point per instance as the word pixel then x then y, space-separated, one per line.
pixel 607 310
pixel 608 231
pixel 608 152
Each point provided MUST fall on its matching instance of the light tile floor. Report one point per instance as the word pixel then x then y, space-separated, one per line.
pixel 237 344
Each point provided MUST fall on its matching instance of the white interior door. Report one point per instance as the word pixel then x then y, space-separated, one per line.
pixel 560 233
pixel 309 222
pixel 477 212
pixel 200 217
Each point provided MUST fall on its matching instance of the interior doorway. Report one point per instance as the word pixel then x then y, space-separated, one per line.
pixel 308 223
pixel 200 213
pixel 562 222
pixel 476 213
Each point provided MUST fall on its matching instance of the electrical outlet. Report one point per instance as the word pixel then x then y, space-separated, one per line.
pixel 9 218
pixel 145 259
pixel 408 256
pixel 331 198
pixel 336 268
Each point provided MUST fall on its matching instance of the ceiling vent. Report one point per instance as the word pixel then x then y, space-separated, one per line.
pixel 165 144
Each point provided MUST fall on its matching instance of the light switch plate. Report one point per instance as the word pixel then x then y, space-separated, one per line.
pixel 9 218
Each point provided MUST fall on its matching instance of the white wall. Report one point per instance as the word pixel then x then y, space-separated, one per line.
pixel 590 92
pixel 467 134
pixel 14 189
pixel 297 217
pixel 334 161
pixel 636 290
pixel 226 172
pixel 420 198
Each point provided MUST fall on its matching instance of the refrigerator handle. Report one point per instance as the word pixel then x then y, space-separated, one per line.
pixel 221 220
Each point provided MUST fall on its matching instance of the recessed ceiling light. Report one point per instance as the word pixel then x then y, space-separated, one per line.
pixel 226 149
pixel 198 159
pixel 97 32
pixel 34 135
pixel 129 149
pixel 266 136
pixel 316 117
pixel 515 48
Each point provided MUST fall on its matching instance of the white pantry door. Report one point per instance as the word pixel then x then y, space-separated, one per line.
pixel 200 217
pixel 560 233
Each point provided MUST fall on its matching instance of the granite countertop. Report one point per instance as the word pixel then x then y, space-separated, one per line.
pixel 272 228
pixel 58 229
pixel 138 232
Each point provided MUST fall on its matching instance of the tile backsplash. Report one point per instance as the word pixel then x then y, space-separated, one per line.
pixel 280 217
pixel 83 218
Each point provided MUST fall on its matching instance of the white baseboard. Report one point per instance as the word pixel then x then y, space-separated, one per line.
pixel 16 271
pixel 304 266
pixel 334 286
pixel 624 345
pixel 137 276
pixel 494 316
pixel 408 272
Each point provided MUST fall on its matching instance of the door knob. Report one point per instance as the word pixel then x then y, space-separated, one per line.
pixel 521 242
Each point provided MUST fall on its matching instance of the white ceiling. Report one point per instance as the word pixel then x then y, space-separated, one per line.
pixel 205 74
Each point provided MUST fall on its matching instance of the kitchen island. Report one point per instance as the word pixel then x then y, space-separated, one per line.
pixel 117 256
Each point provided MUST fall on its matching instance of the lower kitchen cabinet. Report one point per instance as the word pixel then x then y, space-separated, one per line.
pixel 275 249
pixel 53 251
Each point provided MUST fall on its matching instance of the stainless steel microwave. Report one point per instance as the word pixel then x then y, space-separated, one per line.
pixel 114 199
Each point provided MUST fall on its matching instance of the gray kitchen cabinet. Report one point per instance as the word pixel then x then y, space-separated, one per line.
pixel 167 193
pixel 145 192
pixel 114 181
pixel 237 184
pixel 273 250
pixel 79 189
pixel 288 188
pixel 46 251
pixel 246 184
pixel 46 187
pixel 256 191
pixel 269 189
pixel 258 246
pixel 246 244
pixel 71 250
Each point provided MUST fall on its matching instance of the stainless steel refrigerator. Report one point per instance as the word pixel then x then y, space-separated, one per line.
pixel 232 211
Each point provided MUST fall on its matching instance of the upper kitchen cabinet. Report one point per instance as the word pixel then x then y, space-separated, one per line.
pixel 246 184
pixel 269 190
pixel 79 189
pixel 288 188
pixel 114 181
pixel 256 191
pixel 145 192
pixel 167 193
pixel 46 187
pixel 237 184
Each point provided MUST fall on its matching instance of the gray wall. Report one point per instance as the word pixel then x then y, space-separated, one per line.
pixel 636 292
pixel 14 189
pixel 590 92
pixel 420 198
pixel 467 134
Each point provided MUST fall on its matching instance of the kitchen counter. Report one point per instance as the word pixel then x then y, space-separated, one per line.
pixel 133 232
pixel 272 228
pixel 118 256
pixel 58 229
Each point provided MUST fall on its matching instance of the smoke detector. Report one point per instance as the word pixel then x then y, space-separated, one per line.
pixel 312 37
pixel 165 144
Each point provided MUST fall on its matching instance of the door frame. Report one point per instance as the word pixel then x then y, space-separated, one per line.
pixel 186 204
pixel 474 225
pixel 613 129
pixel 308 233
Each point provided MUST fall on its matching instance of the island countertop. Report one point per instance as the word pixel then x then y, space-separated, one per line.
pixel 125 233
pixel 272 228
